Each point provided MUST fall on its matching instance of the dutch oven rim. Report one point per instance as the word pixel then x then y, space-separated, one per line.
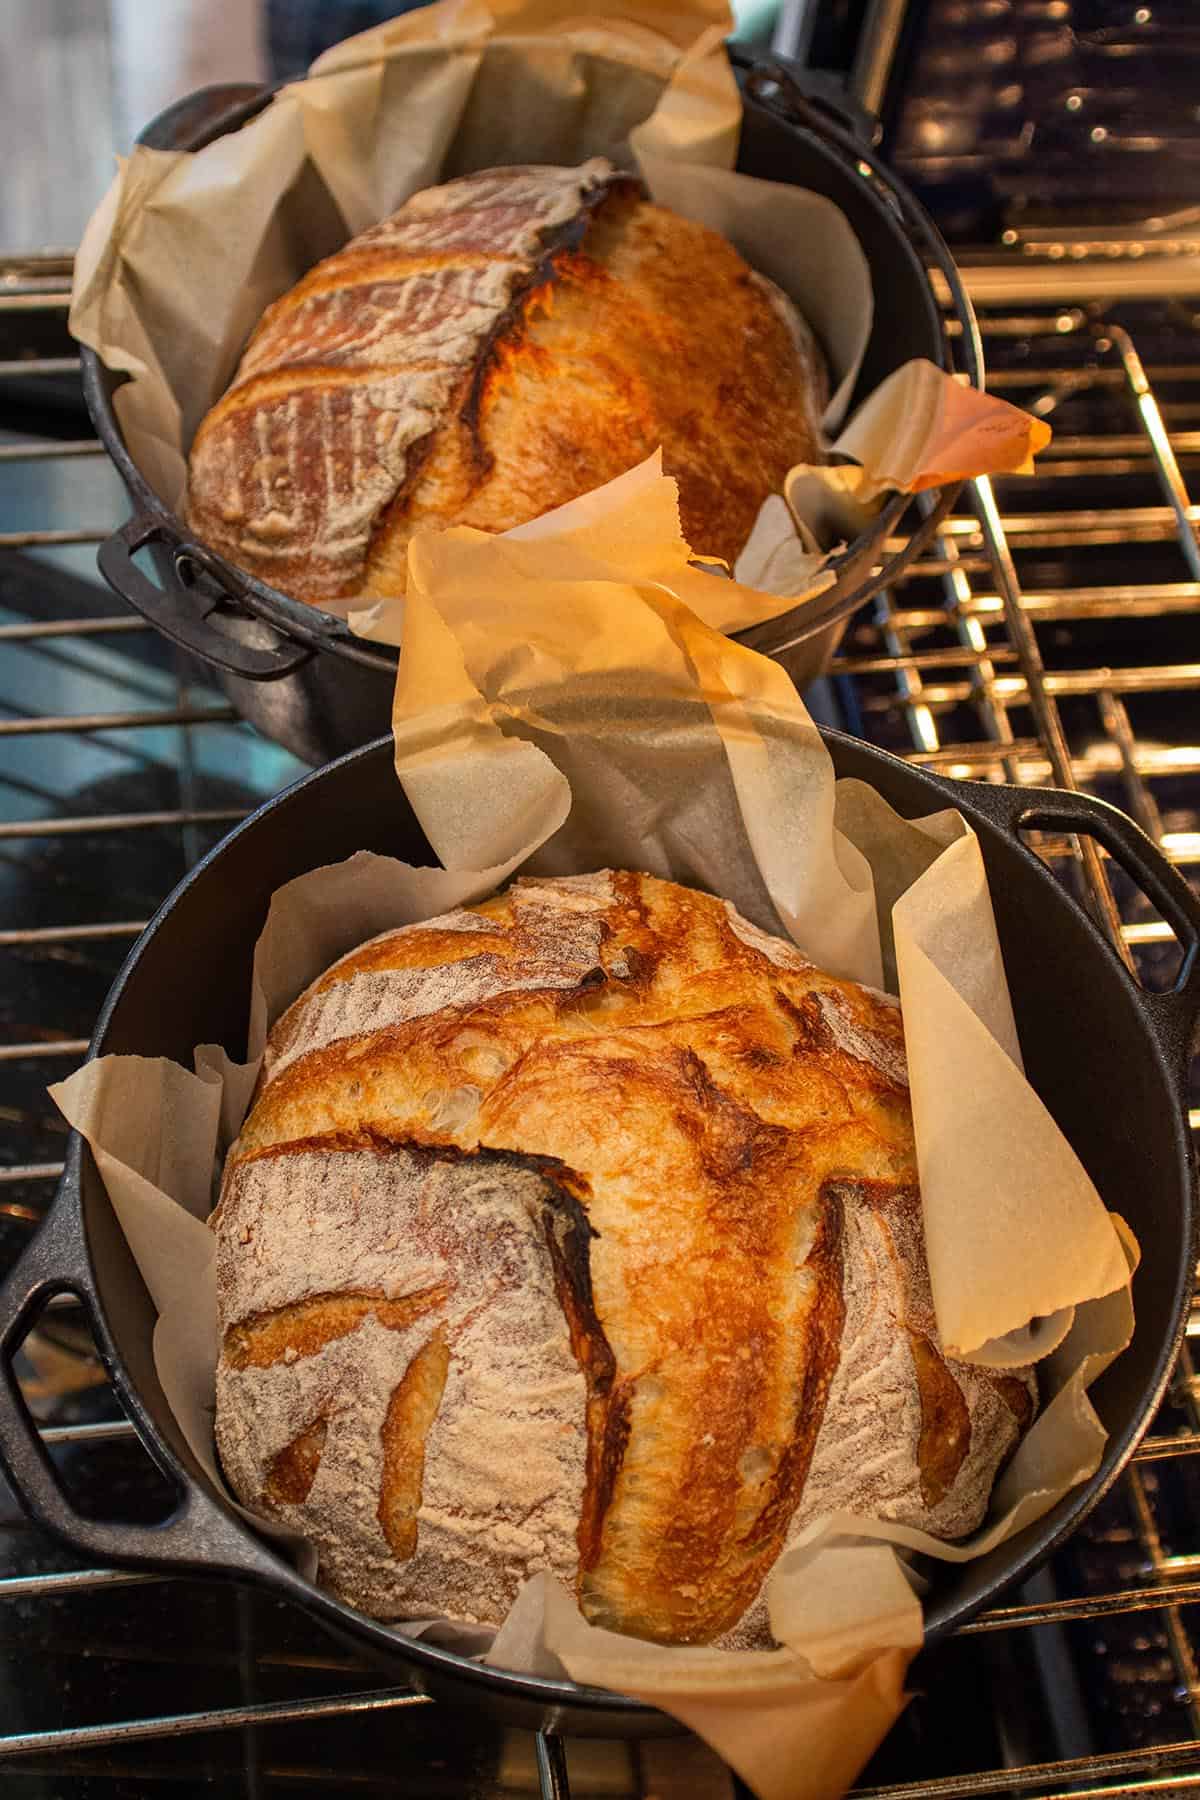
pixel 60 1259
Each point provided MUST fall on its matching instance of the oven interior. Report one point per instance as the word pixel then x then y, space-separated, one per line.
pixel 1052 636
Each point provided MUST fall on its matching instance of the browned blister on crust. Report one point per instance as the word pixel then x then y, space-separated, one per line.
pixel 504 343
pixel 580 1230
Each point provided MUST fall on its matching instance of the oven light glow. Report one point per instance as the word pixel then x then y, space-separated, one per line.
pixel 1148 931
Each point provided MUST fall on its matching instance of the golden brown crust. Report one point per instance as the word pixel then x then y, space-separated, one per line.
pixel 453 366
pixel 731 1220
pixel 945 1421
pixel 309 1325
pixel 411 1411
pixel 294 1468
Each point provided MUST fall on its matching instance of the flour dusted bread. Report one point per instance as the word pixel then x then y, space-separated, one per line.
pixel 579 1230
pixel 502 344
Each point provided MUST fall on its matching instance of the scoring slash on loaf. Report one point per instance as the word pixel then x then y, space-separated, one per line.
pixel 579 1230
pixel 502 344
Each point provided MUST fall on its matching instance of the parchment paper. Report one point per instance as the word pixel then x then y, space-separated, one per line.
pixel 187 250
pixel 561 706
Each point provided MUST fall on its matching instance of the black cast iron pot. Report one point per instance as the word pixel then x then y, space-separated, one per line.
pixel 303 678
pixel 1108 1058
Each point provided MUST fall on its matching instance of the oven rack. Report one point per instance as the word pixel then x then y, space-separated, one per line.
pixel 976 664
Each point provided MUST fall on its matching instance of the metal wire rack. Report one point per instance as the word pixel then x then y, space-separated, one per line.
pixel 1050 637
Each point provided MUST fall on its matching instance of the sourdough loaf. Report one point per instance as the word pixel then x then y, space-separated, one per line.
pixel 579 1230
pixel 504 343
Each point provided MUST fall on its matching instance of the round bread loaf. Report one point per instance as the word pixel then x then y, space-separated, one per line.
pixel 579 1230
pixel 501 345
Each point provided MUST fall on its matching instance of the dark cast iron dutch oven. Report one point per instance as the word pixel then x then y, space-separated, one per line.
pixel 1108 1058
pixel 302 677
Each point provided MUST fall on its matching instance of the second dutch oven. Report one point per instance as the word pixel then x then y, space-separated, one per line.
pixel 1108 1058
pixel 302 677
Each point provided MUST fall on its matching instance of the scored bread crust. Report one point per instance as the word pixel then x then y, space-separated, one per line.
pixel 580 1231
pixel 425 1370
pixel 502 344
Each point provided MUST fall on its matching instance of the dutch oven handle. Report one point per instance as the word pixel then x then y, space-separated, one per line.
pixel 803 97
pixel 199 1536
pixel 182 611
pixel 775 78
pixel 1175 1014
pixel 204 115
